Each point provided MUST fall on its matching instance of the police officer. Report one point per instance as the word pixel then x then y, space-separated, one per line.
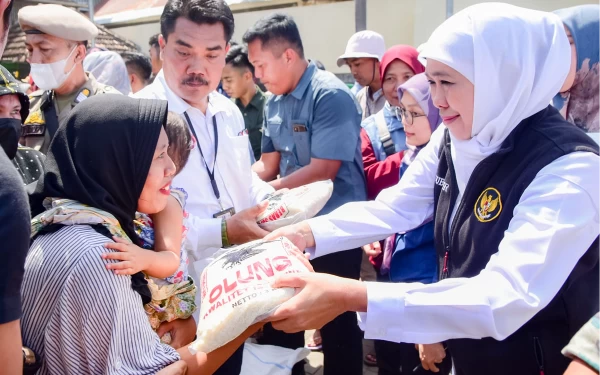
pixel 56 38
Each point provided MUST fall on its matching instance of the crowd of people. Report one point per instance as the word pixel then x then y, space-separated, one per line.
pixel 461 235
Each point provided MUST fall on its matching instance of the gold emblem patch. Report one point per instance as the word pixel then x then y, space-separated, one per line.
pixel 488 206
pixel 35 118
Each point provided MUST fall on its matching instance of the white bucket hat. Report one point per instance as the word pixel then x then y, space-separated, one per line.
pixel 363 44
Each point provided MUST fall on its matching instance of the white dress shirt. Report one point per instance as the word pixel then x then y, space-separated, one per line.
pixel 239 187
pixel 554 224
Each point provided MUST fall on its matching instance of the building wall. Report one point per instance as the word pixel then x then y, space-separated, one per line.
pixel 430 13
pixel 325 28
pixel 139 34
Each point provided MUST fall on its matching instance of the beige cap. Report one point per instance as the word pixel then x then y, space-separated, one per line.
pixel 57 20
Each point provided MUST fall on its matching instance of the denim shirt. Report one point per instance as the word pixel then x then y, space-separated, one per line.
pixel 395 127
pixel 319 119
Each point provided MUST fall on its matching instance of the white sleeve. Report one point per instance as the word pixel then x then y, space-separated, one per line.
pixel 202 234
pixel 258 188
pixel 397 209
pixel 553 225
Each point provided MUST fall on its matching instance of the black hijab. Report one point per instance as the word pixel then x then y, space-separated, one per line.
pixel 101 157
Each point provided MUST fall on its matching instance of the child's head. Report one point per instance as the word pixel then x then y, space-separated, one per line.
pixel 180 140
pixel 419 116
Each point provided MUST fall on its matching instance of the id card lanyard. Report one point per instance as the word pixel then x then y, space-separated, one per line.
pixel 211 173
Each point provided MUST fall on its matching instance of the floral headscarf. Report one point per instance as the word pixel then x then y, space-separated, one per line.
pixel 579 105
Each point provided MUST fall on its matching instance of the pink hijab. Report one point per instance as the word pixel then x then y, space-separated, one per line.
pixel 405 53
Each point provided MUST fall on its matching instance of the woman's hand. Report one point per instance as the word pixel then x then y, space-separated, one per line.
pixel 299 234
pixel 430 354
pixel 133 258
pixel 372 249
pixel 319 299
pixel 182 331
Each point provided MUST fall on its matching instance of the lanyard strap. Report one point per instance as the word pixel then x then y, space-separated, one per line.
pixel 211 174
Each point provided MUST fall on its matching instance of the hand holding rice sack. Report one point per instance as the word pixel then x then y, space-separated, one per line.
pixel 236 289
pixel 287 207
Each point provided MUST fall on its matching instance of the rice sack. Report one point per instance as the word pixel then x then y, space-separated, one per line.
pixel 236 290
pixel 295 205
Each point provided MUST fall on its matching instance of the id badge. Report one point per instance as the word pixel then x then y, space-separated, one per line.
pixel 225 213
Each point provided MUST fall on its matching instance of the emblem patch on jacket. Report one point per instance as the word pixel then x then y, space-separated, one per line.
pixel 488 206
pixel 35 124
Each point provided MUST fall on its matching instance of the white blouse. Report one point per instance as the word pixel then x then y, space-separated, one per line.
pixel 553 225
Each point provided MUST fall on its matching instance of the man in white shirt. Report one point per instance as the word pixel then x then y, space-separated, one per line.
pixel 223 192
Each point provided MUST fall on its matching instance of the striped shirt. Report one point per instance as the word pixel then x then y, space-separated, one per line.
pixel 79 317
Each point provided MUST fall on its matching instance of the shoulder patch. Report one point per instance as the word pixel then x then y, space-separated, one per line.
pixel 83 95
pixel 488 206
pixel 35 118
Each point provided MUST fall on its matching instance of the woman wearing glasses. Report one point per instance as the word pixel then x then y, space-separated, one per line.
pixel 383 142
pixel 383 139
pixel 410 257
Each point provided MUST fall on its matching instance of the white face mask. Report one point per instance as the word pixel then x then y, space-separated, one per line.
pixel 51 76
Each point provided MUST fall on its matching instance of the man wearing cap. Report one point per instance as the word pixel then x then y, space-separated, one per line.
pixel 56 38
pixel 363 55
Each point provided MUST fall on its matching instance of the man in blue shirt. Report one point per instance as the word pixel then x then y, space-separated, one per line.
pixel 311 133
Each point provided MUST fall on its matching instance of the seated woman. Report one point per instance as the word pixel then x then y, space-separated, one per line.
pixel 78 316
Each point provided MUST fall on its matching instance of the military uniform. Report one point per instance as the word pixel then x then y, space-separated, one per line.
pixel 38 127
pixel 49 110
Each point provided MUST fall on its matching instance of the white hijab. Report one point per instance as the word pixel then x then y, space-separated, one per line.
pixel 108 68
pixel 516 58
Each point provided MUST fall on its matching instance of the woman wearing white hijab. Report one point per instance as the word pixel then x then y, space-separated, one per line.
pixel 513 189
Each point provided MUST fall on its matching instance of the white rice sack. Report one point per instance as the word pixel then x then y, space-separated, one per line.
pixel 295 205
pixel 236 290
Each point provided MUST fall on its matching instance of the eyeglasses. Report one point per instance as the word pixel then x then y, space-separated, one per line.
pixel 409 116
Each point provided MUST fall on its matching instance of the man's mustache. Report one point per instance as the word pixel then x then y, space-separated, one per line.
pixel 197 80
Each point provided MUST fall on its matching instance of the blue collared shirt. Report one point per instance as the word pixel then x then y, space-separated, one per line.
pixel 319 119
